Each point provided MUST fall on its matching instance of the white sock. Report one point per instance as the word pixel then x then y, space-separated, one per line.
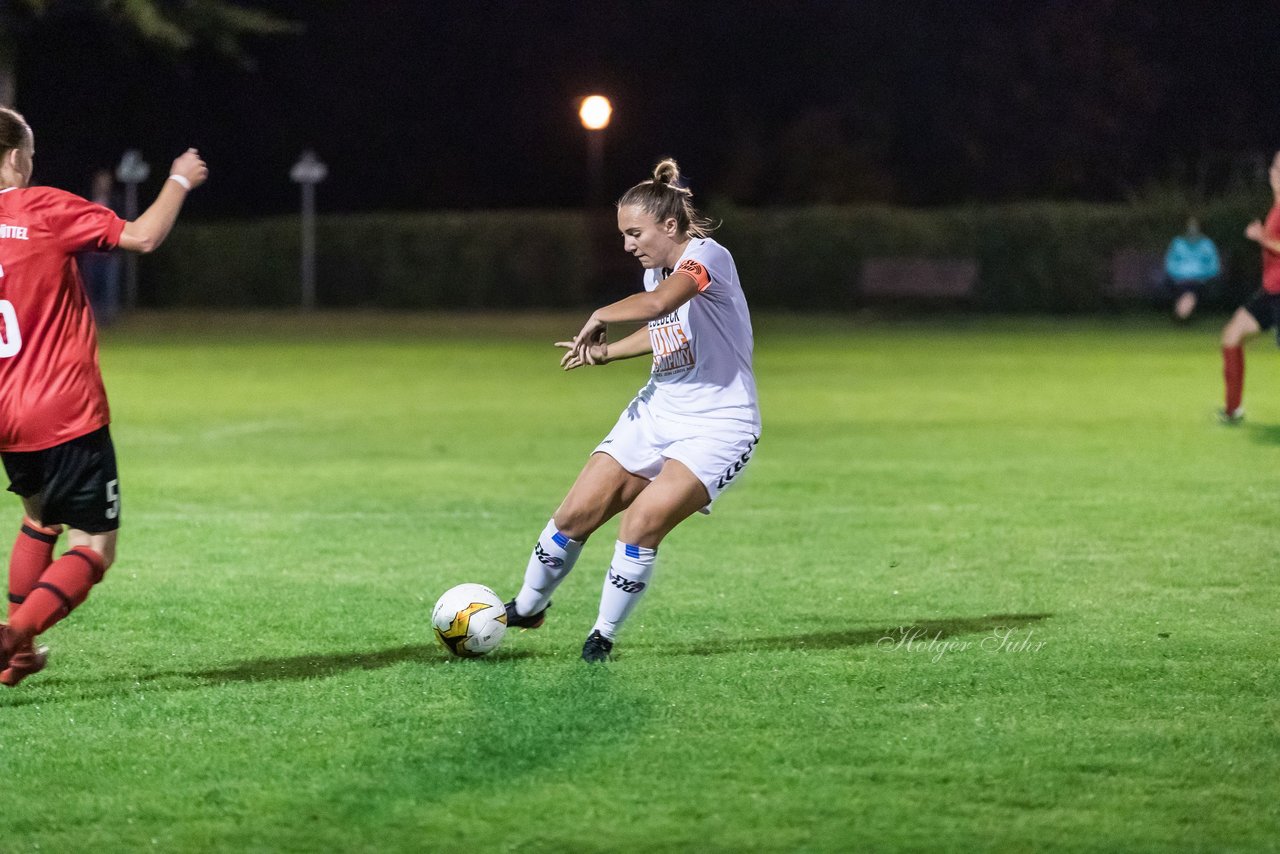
pixel 626 582
pixel 552 558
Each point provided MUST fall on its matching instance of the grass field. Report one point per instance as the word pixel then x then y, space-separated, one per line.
pixel 989 585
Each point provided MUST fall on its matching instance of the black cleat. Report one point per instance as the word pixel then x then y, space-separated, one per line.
pixel 533 621
pixel 597 648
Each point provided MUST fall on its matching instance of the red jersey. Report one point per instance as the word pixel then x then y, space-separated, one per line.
pixel 50 384
pixel 1270 260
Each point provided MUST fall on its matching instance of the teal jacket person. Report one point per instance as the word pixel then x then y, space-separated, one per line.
pixel 1192 257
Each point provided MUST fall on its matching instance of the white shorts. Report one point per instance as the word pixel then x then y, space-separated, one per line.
pixel 642 441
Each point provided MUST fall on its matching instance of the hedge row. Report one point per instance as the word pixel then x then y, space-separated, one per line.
pixel 1032 257
pixel 444 260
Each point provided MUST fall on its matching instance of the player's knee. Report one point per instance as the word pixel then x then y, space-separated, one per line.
pixel 32 521
pixel 576 522
pixel 105 552
pixel 1232 333
pixel 98 561
pixel 645 526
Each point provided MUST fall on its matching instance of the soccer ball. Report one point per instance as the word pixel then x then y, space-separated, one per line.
pixel 470 620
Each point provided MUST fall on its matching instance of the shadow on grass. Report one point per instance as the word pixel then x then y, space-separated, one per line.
pixel 320 666
pixel 923 630
pixel 288 668
pixel 298 667
pixel 1264 434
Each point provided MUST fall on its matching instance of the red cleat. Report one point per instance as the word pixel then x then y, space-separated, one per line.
pixel 10 642
pixel 24 663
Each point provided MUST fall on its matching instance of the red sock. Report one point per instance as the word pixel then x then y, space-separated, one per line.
pixel 32 554
pixel 60 590
pixel 1233 374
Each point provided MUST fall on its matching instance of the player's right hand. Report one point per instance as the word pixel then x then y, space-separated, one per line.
pixel 591 335
pixel 594 354
pixel 190 166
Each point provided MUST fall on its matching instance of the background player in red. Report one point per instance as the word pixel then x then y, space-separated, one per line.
pixel 54 438
pixel 1260 312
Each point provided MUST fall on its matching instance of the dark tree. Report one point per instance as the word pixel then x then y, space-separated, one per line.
pixel 176 25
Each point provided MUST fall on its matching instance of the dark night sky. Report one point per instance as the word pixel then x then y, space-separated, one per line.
pixel 467 103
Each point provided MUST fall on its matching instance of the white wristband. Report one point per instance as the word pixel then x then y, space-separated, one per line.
pixel 181 181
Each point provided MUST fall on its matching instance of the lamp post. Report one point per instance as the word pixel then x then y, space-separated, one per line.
pixel 595 112
pixel 131 172
pixel 307 172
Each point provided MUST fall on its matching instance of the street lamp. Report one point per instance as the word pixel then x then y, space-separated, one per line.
pixel 308 171
pixel 595 112
pixel 131 172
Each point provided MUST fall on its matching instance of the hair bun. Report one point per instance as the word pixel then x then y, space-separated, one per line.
pixel 667 172
pixel 663 198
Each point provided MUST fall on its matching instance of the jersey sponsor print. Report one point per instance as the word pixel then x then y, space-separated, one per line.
pixel 671 348
pixel 702 351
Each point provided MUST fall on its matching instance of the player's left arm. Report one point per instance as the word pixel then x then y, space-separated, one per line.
pixel 148 231
pixel 672 292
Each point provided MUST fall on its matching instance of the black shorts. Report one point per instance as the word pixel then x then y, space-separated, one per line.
pixel 76 482
pixel 1264 307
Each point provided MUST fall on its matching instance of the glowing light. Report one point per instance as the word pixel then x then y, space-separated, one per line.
pixel 595 112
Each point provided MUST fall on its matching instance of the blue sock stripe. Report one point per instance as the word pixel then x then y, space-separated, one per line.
pixel 631 551
pixel 560 539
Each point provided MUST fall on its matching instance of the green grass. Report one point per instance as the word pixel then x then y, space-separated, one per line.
pixel 258 674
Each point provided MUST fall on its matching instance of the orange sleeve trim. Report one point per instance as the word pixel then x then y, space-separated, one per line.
pixel 697 272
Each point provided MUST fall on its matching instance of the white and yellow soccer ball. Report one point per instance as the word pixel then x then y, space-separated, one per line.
pixel 469 620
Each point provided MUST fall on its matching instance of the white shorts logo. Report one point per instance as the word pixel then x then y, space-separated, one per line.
pixel 734 470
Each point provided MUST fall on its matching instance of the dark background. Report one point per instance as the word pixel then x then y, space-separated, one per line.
pixel 466 103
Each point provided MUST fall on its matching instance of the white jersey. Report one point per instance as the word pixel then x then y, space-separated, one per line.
pixel 702 371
